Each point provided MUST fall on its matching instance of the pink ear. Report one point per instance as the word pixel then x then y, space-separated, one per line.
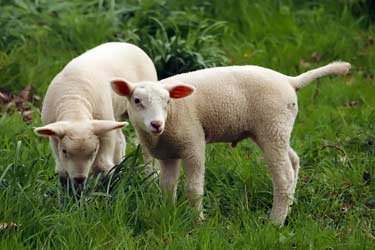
pixel 121 87
pixel 103 126
pixel 180 91
pixel 45 132
pixel 53 129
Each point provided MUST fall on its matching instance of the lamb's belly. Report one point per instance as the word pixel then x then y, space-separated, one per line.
pixel 231 135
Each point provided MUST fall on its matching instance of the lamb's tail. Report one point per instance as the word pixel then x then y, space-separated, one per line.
pixel 335 68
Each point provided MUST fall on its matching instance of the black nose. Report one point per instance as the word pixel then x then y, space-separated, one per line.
pixel 79 180
pixel 156 124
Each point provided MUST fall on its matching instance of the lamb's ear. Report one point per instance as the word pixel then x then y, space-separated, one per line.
pixel 122 87
pixel 103 126
pixel 179 90
pixel 54 129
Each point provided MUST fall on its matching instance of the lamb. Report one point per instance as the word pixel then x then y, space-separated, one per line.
pixel 80 111
pixel 229 104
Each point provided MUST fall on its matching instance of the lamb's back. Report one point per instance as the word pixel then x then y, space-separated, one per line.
pixel 89 74
pixel 228 101
pixel 114 59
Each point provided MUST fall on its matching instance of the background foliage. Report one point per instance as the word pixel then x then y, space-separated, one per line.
pixel 334 133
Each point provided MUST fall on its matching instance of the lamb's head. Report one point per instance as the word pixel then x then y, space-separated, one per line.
pixel 148 102
pixel 75 145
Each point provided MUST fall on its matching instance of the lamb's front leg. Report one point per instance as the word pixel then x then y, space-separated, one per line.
pixel 120 147
pixel 151 167
pixel 104 158
pixel 169 171
pixel 194 178
pixel 53 142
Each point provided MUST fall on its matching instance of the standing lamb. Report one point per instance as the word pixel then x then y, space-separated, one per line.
pixel 80 109
pixel 229 104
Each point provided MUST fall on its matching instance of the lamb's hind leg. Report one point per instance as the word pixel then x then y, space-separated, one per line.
pixel 273 138
pixel 282 179
pixel 294 159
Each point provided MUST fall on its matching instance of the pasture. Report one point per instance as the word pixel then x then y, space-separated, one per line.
pixel 334 134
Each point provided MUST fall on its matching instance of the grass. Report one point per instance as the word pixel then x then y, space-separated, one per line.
pixel 39 37
pixel 334 133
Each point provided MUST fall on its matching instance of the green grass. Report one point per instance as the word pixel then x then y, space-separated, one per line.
pixel 334 133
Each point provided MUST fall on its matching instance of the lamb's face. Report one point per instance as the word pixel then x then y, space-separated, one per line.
pixel 148 102
pixel 76 154
pixel 148 107
pixel 75 146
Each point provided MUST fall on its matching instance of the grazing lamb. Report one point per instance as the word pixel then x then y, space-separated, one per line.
pixel 80 109
pixel 229 104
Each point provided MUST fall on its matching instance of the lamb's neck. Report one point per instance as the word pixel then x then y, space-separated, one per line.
pixel 147 140
pixel 74 107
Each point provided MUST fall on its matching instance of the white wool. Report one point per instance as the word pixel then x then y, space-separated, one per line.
pixel 228 104
pixel 81 108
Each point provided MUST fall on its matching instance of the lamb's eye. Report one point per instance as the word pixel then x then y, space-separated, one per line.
pixel 168 101
pixel 65 152
pixel 137 101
